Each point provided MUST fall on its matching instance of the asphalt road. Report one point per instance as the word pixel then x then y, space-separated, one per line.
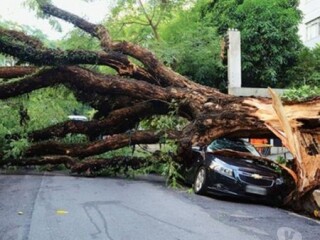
pixel 40 207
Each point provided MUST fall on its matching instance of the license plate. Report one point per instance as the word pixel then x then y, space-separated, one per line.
pixel 256 190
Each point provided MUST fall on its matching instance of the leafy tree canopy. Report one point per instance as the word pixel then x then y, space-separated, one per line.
pixel 269 36
pixel 188 35
pixel 139 20
pixel 175 31
pixel 192 47
pixel 307 69
pixel 305 75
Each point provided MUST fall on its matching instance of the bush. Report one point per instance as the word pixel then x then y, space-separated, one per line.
pixel 301 93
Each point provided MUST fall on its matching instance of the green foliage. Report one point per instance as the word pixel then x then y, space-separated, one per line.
pixel 165 122
pixel 122 170
pixel 189 37
pixel 16 148
pixel 305 76
pixel 74 139
pixel 52 105
pixel 3 60
pixel 307 69
pixel 269 38
pixel 179 38
pixel 139 21
pixel 9 116
pixel 281 160
pixel 171 172
pixel 301 93
pixel 78 39
pixel 34 5
pixel 164 164
pixel 192 48
pixel 44 107
pixel 160 163
pixel 129 151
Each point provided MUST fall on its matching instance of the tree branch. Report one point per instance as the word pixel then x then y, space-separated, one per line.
pixel 117 121
pixel 87 166
pixel 81 79
pixel 16 71
pixel 43 78
pixel 97 31
pixel 113 142
pixel 134 22
pixel 153 27
pixel 44 56
pixel 158 70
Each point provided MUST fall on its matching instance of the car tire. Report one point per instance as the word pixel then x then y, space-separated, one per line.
pixel 200 181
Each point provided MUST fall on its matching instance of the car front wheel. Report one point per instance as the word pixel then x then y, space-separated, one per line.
pixel 200 180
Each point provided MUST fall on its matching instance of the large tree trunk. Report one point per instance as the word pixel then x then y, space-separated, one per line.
pixel 144 90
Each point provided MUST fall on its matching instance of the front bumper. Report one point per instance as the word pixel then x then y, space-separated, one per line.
pixel 267 191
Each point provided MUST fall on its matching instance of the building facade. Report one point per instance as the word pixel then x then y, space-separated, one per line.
pixel 309 29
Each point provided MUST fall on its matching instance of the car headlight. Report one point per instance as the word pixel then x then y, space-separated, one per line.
pixel 279 181
pixel 218 167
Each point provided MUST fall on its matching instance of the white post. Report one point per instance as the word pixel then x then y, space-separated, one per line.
pixel 234 60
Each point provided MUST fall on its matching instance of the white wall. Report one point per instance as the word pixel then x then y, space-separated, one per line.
pixel 311 11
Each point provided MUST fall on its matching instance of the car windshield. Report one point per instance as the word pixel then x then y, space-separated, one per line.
pixel 233 144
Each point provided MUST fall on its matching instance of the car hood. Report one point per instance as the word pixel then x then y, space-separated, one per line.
pixel 245 163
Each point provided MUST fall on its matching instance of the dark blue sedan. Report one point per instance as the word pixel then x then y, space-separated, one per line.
pixel 233 167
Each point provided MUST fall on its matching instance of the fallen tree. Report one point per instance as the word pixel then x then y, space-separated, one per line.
pixel 143 88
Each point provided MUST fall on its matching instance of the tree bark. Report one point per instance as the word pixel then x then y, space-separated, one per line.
pixel 110 142
pixel 15 72
pixel 88 166
pixel 118 121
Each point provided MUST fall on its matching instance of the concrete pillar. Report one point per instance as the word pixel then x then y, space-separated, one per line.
pixel 234 60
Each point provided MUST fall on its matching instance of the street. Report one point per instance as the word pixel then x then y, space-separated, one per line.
pixel 40 207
